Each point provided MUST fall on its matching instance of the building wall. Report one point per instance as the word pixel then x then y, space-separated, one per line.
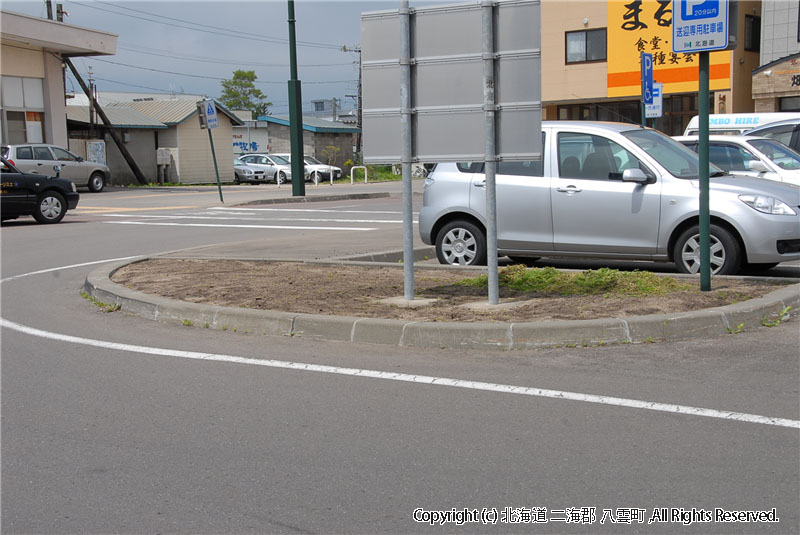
pixel 195 162
pixel 140 144
pixel 779 35
pixel 780 80
pixel 344 142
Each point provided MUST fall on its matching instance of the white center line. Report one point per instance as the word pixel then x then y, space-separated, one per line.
pixel 279 227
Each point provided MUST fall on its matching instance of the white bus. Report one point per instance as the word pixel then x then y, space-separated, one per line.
pixel 736 123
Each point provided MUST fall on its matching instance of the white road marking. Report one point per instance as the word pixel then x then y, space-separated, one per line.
pixel 279 227
pixel 390 376
pixel 423 379
pixel 223 208
pixel 216 217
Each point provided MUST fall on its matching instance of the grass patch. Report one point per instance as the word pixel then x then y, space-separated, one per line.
pixel 549 280
pixel 105 307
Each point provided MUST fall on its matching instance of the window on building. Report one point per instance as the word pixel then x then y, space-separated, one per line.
pixel 319 106
pixel 752 33
pixel 586 45
pixel 789 104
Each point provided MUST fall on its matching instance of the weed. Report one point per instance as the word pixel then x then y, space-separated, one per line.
pixel 783 315
pixel 99 304
pixel 206 325
pixel 649 340
pixel 187 323
pixel 739 328
pixel 224 327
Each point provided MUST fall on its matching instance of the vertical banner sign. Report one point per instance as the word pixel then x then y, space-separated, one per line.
pixel 647 78
pixel 636 26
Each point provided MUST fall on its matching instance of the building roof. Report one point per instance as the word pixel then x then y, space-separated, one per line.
pixel 172 112
pixel 120 117
pixel 776 62
pixel 106 98
pixel 21 30
pixel 313 125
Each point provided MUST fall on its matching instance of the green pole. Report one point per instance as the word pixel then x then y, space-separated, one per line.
pixel 216 169
pixel 295 114
pixel 705 218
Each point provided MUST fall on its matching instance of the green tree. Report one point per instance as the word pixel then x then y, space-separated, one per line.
pixel 240 93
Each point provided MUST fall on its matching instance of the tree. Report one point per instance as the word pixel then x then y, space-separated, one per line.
pixel 240 93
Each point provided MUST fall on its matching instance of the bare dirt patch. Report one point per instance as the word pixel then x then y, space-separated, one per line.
pixel 357 291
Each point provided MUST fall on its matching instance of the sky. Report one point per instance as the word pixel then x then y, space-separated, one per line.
pixel 190 46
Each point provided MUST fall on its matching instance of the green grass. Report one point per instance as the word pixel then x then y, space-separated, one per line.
pixel 601 281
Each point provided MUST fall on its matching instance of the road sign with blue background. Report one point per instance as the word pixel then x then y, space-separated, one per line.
pixel 699 25
pixel 647 78
pixel 211 114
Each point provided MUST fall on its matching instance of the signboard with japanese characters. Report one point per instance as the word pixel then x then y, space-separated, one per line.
pixel 699 25
pixel 636 26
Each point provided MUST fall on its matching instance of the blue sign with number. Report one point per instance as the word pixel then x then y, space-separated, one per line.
pixel 700 25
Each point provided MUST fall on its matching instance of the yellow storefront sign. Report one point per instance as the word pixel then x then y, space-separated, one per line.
pixel 636 26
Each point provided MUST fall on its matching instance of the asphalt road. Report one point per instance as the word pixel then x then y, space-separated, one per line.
pixel 116 424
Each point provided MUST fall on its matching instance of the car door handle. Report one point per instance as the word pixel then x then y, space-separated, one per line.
pixel 481 184
pixel 569 189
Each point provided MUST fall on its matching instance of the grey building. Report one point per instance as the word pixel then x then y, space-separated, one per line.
pixel 318 135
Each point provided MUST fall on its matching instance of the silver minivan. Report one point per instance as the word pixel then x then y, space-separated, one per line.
pixel 614 191
pixel 43 158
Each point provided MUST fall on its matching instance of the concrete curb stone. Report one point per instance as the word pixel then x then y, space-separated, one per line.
pixel 746 315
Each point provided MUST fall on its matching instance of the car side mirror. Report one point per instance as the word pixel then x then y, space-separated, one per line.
pixel 636 175
pixel 80 158
pixel 757 165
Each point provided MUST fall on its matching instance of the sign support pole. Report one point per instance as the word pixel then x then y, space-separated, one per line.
pixel 705 219
pixel 295 114
pixel 407 150
pixel 216 169
pixel 490 150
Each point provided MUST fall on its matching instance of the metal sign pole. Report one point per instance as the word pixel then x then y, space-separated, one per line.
pixel 490 150
pixel 705 218
pixel 407 149
pixel 216 169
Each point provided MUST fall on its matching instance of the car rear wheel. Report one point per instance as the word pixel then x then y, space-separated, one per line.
pixel 316 177
pixel 96 182
pixel 461 243
pixel 725 255
pixel 280 177
pixel 236 180
pixel 50 208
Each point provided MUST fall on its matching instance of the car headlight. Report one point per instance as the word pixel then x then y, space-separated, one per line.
pixel 767 205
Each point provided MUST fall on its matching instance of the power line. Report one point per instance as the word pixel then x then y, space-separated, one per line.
pixel 208 77
pixel 187 57
pixel 216 30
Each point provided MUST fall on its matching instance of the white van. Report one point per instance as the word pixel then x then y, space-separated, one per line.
pixel 736 123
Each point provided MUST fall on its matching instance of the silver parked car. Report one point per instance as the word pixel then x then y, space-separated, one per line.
pixel 751 156
pixel 276 168
pixel 610 190
pixel 42 158
pixel 786 131
pixel 246 173
pixel 316 171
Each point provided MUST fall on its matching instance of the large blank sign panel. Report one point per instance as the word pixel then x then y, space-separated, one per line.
pixel 447 82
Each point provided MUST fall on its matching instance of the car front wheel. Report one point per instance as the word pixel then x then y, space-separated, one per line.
pixel 280 177
pixel 725 252
pixel 50 208
pixel 96 182
pixel 461 243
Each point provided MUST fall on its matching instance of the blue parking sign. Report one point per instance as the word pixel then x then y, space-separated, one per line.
pixel 647 78
pixel 699 25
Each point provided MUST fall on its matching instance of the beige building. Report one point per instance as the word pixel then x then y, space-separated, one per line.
pixel 32 107
pixel 590 62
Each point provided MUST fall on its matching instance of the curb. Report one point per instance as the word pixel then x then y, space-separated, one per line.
pixel 739 317
pixel 318 198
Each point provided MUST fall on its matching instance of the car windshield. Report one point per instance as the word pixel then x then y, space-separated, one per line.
pixel 780 154
pixel 310 160
pixel 278 160
pixel 238 161
pixel 679 160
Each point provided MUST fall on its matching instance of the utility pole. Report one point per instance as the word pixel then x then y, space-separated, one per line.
pixel 295 113
pixel 357 50
pixel 92 97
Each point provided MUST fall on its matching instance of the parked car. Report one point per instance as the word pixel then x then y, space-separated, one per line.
pixel 40 158
pixel 245 173
pixel 47 199
pixel 315 169
pixel 751 156
pixel 786 131
pixel 610 190
pixel 277 169
pixel 736 123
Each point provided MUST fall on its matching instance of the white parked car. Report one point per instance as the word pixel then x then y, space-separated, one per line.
pixel 751 156
pixel 317 171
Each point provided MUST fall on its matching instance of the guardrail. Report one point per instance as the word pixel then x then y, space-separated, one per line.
pixel 352 177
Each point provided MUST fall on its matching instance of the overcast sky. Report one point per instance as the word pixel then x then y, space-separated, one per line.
pixel 188 46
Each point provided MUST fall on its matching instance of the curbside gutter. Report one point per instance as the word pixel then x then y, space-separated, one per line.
pixel 739 317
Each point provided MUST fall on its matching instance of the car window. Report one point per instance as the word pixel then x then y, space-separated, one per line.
pixel 42 153
pixel 783 156
pixel 26 153
pixel 594 157
pixel 680 161
pixel 64 156
pixel 782 133
pixel 522 168
pixel 470 167
pixel 280 161
pixel 729 157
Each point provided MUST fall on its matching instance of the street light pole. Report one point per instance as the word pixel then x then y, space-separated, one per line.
pixel 295 114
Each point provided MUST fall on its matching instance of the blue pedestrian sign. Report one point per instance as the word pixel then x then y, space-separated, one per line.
pixel 699 25
pixel 647 78
pixel 211 114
